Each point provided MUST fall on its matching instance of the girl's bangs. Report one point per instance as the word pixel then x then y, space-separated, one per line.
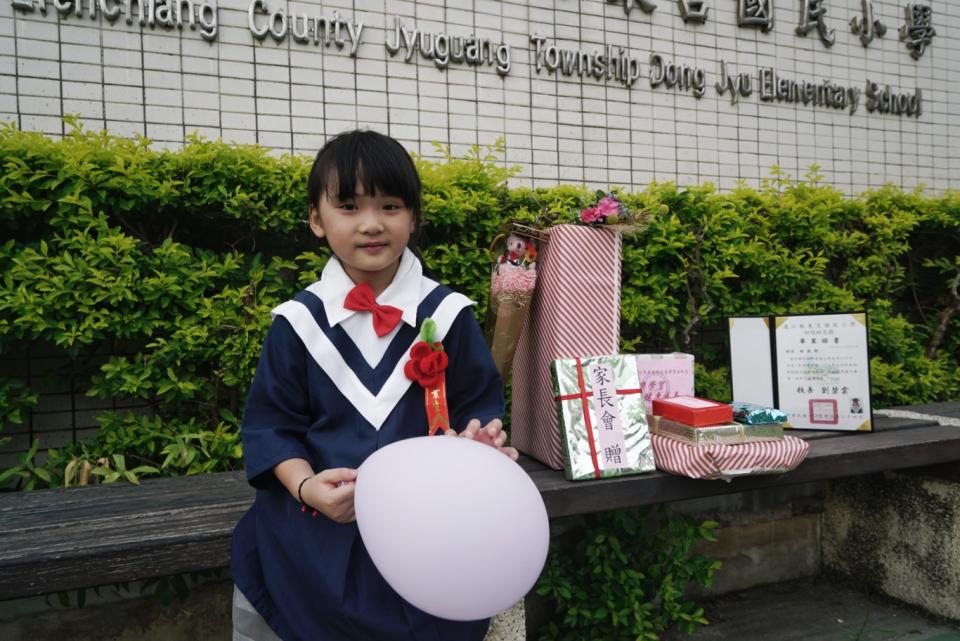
pixel 380 164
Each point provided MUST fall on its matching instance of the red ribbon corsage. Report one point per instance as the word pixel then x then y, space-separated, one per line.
pixel 426 366
pixel 427 363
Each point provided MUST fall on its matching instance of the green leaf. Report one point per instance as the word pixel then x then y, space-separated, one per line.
pixel 427 330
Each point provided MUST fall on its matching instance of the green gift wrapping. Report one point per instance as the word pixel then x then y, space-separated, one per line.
pixel 602 417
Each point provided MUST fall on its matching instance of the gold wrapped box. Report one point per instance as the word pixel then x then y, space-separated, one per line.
pixel 726 434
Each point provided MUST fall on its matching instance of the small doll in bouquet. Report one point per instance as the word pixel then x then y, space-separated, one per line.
pixel 511 290
pixel 519 251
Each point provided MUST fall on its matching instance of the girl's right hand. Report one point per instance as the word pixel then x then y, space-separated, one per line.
pixel 331 493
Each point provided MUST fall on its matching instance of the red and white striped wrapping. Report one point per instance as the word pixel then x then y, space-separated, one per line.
pixel 575 313
pixel 728 461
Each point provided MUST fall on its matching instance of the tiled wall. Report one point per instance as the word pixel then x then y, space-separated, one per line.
pixel 290 96
pixel 64 413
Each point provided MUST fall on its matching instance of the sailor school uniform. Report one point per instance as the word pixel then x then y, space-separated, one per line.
pixel 329 390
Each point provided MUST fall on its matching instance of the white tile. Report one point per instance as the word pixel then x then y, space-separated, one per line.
pixel 161 79
pixel 39 87
pixel 40 106
pixel 82 90
pixel 244 121
pixel 86 109
pixel 36 30
pixel 244 135
pixel 163 97
pixel 164 115
pixel 46 124
pixel 125 113
pixel 35 68
pixel 273 123
pixel 165 132
pixel 273 106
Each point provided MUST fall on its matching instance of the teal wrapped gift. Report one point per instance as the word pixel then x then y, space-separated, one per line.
pixel 602 417
pixel 750 414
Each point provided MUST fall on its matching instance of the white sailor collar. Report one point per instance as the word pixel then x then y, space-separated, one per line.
pixel 403 293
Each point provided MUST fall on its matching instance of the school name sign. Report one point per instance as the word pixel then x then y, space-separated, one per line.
pixel 606 64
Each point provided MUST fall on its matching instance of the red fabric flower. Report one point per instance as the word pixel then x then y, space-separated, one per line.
pixel 426 364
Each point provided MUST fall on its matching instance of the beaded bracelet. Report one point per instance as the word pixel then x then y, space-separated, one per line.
pixel 303 505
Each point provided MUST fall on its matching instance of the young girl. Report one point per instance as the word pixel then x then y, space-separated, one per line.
pixel 330 389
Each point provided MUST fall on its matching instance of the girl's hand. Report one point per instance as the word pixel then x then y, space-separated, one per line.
pixel 491 434
pixel 331 493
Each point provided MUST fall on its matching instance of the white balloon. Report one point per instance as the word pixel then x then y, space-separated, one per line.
pixel 455 527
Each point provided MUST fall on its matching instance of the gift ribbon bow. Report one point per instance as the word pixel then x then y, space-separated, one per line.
pixel 427 366
pixel 362 299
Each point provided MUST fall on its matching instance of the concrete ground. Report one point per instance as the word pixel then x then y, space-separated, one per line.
pixel 815 609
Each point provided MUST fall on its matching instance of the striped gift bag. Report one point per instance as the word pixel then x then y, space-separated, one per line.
pixel 575 313
pixel 728 461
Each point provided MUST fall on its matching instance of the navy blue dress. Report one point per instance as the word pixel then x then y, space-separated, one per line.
pixel 315 397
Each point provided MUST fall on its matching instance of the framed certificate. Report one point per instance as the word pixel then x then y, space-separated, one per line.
pixel 815 367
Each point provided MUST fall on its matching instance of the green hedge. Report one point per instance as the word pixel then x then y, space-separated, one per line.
pixel 182 254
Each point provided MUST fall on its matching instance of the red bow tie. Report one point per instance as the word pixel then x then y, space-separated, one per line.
pixel 385 317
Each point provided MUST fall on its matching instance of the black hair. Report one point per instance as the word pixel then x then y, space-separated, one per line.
pixel 378 162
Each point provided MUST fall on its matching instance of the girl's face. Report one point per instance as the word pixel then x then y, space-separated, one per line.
pixel 368 233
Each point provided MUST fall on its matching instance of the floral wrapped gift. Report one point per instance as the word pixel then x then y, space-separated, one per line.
pixel 601 417
pixel 728 461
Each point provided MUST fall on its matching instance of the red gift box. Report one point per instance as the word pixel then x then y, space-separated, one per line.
pixel 693 411
pixel 575 313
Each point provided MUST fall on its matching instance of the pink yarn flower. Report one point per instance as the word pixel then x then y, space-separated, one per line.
pixel 608 206
pixel 590 215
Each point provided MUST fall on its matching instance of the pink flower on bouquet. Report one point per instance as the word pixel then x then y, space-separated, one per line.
pixel 608 206
pixel 590 215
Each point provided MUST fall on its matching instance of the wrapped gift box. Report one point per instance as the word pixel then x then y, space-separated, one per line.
pixel 729 433
pixel 665 376
pixel 751 414
pixel 575 312
pixel 728 461
pixel 693 411
pixel 602 417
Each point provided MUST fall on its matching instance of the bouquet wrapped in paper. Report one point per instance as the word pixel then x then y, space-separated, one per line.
pixel 511 290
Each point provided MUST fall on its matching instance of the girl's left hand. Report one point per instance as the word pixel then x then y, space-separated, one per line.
pixel 491 434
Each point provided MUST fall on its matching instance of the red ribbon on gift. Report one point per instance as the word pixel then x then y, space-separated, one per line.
pixel 586 417
pixel 585 400
pixel 583 393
